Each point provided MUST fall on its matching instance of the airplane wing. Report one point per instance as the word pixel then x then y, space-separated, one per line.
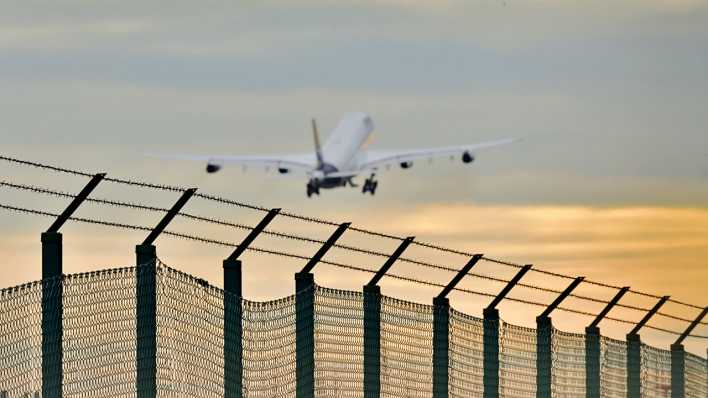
pixel 303 162
pixel 374 159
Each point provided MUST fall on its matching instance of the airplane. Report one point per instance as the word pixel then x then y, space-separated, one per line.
pixel 342 157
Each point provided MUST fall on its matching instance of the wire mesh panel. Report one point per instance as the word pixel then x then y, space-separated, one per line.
pixel 613 368
pixel 517 361
pixel 269 348
pixel 406 349
pixel 339 343
pixel 99 333
pixel 466 355
pixel 696 374
pixel 21 339
pixel 190 338
pixel 568 369
pixel 655 372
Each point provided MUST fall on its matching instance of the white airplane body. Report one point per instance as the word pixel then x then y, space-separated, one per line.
pixel 343 157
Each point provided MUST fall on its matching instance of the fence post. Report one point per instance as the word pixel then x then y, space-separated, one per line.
pixel 441 332
pixel 678 359
pixel 146 322
pixel 305 320
pixel 634 353
pixel 305 334
pixel 52 310
pixel 441 346
pixel 678 371
pixel 592 348
pixel 146 303
pixel 372 324
pixel 592 362
pixel 372 341
pixel 544 359
pixel 52 295
pixel 233 329
pixel 491 353
pixel 634 359
pixel 491 337
pixel 233 312
pixel 544 341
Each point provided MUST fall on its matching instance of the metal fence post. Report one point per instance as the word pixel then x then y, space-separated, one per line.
pixel 372 341
pixel 146 303
pixel 491 337
pixel 441 332
pixel 52 314
pixel 52 295
pixel 678 371
pixel 305 319
pixel 678 359
pixel 233 312
pixel 544 358
pixel 441 346
pixel 372 324
pixel 592 348
pixel 634 359
pixel 305 334
pixel 146 320
pixel 491 353
pixel 592 362
pixel 233 330
pixel 634 353
pixel 544 341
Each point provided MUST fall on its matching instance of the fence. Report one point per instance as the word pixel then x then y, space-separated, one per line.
pixel 151 330
pixel 100 347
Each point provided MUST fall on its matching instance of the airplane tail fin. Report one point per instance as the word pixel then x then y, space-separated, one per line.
pixel 318 148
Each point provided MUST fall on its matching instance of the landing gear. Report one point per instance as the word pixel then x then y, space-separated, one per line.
pixel 370 185
pixel 312 187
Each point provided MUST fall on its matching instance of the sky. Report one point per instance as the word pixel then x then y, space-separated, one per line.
pixel 609 181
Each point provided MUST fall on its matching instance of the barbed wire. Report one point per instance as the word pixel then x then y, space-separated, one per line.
pixel 46 191
pixel 222 200
pixel 306 258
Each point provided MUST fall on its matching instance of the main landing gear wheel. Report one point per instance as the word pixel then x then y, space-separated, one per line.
pixel 312 188
pixel 370 185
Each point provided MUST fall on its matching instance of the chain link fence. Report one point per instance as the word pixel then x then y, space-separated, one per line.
pixel 100 357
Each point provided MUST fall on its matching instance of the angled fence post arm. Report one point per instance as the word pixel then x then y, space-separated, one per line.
pixel 325 248
pixel 390 261
pixel 76 202
pixel 253 234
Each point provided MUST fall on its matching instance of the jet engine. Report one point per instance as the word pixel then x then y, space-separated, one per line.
pixel 406 165
pixel 212 167
pixel 467 157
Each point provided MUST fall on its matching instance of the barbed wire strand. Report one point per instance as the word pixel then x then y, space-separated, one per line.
pixel 46 191
pixel 323 222
pixel 306 258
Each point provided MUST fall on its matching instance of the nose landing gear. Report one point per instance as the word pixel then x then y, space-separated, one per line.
pixel 370 185
pixel 312 187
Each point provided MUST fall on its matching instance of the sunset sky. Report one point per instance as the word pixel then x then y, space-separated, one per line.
pixel 609 181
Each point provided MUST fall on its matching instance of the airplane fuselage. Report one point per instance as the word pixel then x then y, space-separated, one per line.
pixel 341 148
